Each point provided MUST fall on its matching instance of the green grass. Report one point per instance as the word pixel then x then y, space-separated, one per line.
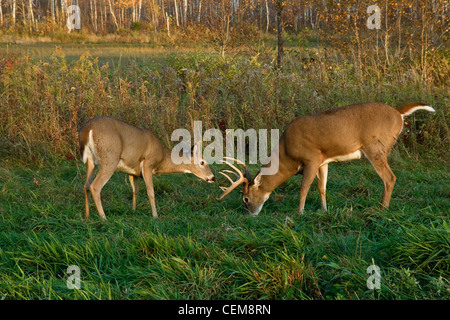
pixel 107 52
pixel 203 249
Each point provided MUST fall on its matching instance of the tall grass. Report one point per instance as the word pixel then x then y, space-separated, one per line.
pixel 211 250
pixel 43 103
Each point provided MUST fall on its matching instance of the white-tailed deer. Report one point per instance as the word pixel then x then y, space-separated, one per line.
pixel 309 143
pixel 116 145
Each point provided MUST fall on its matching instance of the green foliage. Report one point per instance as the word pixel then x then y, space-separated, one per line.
pixel 44 102
pixel 210 250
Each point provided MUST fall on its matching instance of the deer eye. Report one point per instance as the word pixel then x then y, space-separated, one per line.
pixel 202 163
pixel 245 199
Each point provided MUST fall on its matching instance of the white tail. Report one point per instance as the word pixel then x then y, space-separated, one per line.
pixel 116 145
pixel 341 134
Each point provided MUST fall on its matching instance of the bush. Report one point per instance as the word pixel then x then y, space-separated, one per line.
pixel 45 102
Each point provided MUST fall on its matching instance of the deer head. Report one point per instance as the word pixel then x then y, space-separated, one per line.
pixel 253 195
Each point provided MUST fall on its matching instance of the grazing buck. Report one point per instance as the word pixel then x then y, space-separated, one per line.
pixel 116 145
pixel 310 143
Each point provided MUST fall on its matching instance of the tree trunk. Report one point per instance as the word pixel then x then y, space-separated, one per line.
pixel 184 13
pixel 168 25
pixel 53 11
pixel 140 10
pixel 1 14
pixel 14 12
pixel 113 15
pixel 30 14
pixel 176 12
pixel 279 8
pixel 95 16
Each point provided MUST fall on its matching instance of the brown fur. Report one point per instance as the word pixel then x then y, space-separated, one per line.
pixel 310 142
pixel 137 152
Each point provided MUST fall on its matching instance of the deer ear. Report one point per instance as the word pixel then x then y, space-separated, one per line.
pixel 257 180
pixel 196 149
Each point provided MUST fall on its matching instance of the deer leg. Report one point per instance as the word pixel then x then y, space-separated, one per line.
pixel 148 179
pixel 309 172
pixel 322 185
pixel 89 176
pixel 135 187
pixel 378 159
pixel 96 187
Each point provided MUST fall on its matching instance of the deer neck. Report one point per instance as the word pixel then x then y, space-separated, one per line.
pixel 287 167
pixel 271 182
pixel 168 166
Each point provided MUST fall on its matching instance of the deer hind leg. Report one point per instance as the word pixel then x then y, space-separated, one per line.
pixel 148 179
pixel 89 176
pixel 135 187
pixel 96 186
pixel 378 159
pixel 309 172
pixel 322 175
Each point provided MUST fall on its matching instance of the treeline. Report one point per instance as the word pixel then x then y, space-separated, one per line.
pixel 107 16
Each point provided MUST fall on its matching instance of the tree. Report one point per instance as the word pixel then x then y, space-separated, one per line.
pixel 279 9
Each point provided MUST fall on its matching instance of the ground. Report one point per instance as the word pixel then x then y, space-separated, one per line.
pixel 203 249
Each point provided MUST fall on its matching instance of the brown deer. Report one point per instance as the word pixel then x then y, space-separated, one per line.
pixel 116 145
pixel 309 143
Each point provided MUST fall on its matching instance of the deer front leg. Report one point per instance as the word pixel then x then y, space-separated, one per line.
pixel 135 187
pixel 148 179
pixel 309 172
pixel 322 175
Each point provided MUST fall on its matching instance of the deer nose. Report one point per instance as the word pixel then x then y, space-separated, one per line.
pixel 211 179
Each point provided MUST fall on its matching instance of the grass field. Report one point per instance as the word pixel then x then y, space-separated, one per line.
pixel 200 248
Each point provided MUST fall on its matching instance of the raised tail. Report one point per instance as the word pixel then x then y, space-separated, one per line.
pixel 86 142
pixel 409 108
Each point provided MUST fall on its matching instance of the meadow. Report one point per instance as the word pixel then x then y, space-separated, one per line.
pixel 200 248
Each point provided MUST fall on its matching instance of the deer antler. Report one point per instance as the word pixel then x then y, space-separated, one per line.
pixel 238 173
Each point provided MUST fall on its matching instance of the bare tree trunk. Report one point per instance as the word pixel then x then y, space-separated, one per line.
pixel 185 12
pixel 386 39
pixel 53 11
pixel 95 16
pixel 24 16
pixel 93 6
pixel 176 12
pixel 168 25
pixel 13 12
pixel 113 15
pixel 267 16
pixel 1 14
pixel 279 8
pixel 63 11
pixel 30 14
pixel 155 20
pixel 139 10
pixel 163 11
pixel 199 11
